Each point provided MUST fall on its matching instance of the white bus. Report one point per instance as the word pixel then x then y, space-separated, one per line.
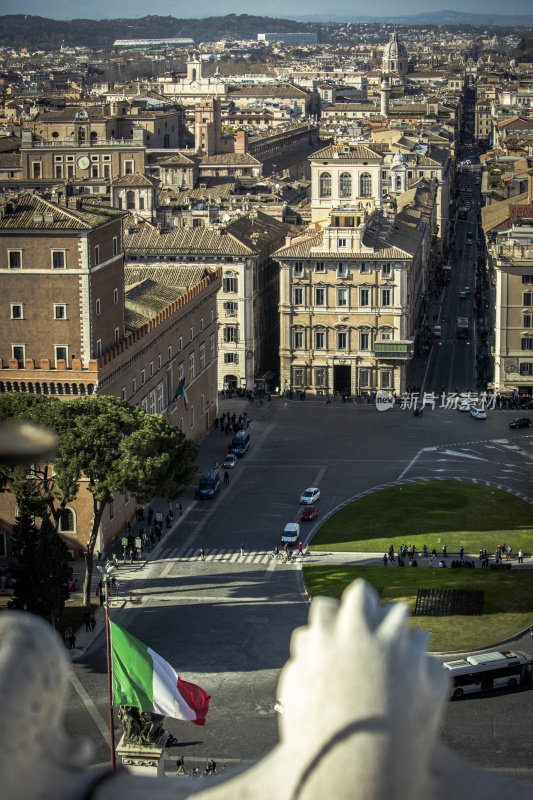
pixel 482 671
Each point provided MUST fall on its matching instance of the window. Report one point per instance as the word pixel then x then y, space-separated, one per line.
pixel 97 305
pixel 128 167
pixel 385 297
pixel 526 298
pixel 191 368
pixel 365 183
pixel 320 376
pixel 526 320
pixel 230 333
pixel 386 380
pixel 229 285
pixel 212 348
pixel 18 352
pixel 159 361
pixel 117 335
pixel 152 401
pixel 123 393
pixel 143 377
pixel 364 341
pixel 526 368
pixel 160 399
pixel 14 259
pixel 36 169
pixel 345 184
pixel 134 385
pixel 230 358
pixel 180 343
pixel 230 309
pixel 342 270
pixel 98 347
pixel 202 357
pixel 298 377
pixel 170 352
pixel 320 340
pixel 298 268
pixel 60 311
pixel 17 311
pixel 61 351
pixel 386 270
pixel 126 497
pixel 115 245
pixel 115 296
pixel 527 343
pixel 202 324
pixel 366 268
pixel 298 296
pixel 298 340
pixel 527 278
pixel 202 405
pixel 67 521
pixel 325 184
pixel 364 378
pixel 97 254
pixel 151 368
pixel 341 242
pixel 364 297
pixel 342 340
pixel 320 296
pixel 191 334
pixel 320 266
pixel 342 297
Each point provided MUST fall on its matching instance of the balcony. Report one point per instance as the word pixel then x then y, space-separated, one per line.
pixel 402 351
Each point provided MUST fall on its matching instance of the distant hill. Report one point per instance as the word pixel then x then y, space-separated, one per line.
pixel 426 18
pixel 24 30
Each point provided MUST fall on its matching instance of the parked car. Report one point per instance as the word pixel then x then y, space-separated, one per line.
pixel 479 413
pixel 310 496
pixel 520 422
pixel 291 533
pixel 437 331
pixel 308 513
pixel 230 461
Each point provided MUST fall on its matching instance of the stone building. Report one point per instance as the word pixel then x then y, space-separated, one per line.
pixel 510 269
pixel 247 302
pixel 71 327
pixel 395 58
pixel 350 296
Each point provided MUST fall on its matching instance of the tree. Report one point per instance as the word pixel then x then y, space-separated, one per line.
pixel 25 541
pixel 112 445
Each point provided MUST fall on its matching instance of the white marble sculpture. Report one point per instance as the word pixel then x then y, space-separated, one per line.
pixel 361 708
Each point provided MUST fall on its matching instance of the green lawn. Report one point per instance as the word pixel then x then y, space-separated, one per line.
pixel 508 602
pixel 433 513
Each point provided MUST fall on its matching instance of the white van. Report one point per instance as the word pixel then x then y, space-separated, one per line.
pixel 437 331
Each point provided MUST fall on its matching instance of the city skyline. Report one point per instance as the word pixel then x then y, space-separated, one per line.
pixel 66 10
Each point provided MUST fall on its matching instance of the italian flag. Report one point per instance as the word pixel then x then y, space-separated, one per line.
pixel 180 390
pixel 143 679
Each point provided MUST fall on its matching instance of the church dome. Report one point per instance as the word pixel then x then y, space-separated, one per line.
pixel 395 56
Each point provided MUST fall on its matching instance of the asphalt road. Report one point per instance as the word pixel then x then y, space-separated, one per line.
pixel 226 623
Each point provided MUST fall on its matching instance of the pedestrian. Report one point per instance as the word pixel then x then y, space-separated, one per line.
pixel 226 477
pixel 180 763
pixel 242 549
pixel 87 620
pixel 202 553
pixel 180 509
pixel 445 551
pixel 461 552
pixel 385 559
pixel 300 549
pixel 71 641
pixel 167 521
pixel 93 622
pixel 113 582
pixel 520 556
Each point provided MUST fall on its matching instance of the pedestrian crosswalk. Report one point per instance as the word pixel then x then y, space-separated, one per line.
pixel 224 555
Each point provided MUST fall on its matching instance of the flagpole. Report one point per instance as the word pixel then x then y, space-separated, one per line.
pixel 110 689
pixel 106 571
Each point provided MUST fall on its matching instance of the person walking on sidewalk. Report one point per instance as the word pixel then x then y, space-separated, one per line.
pixel 87 620
pixel 93 622
pixel 180 763
pixel 202 554
pixel 242 549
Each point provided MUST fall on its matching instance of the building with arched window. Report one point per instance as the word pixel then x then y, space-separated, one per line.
pixel 365 184
pixel 325 184
pixel 395 58
pixel 345 184
pixel 137 194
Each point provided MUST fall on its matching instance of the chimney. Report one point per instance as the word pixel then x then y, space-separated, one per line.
pixel 288 240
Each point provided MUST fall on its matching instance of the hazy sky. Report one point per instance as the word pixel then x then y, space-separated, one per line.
pixel 112 9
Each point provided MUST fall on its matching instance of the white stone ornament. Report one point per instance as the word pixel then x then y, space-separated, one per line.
pixel 361 706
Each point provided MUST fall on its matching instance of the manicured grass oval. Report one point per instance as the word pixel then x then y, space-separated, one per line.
pixel 432 513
